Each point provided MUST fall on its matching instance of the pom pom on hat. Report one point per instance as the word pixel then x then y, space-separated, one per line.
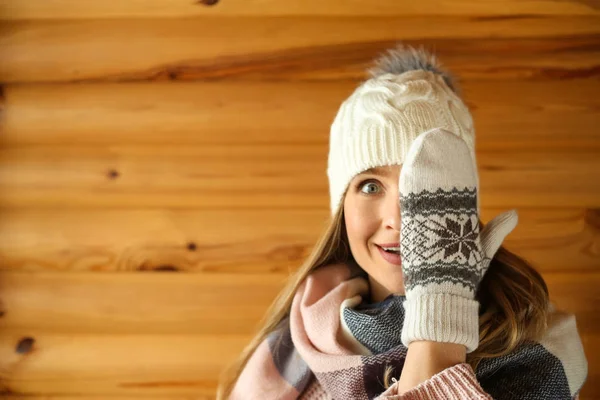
pixel 404 58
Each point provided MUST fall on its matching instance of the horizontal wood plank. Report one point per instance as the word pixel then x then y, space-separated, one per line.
pixel 160 303
pixel 292 48
pixel 78 9
pixel 560 114
pixel 258 176
pixel 108 364
pixel 242 240
pixel 50 240
pixel 204 304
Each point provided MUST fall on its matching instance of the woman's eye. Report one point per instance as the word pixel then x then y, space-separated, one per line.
pixel 371 186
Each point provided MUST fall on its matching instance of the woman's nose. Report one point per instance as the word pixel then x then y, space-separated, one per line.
pixel 392 212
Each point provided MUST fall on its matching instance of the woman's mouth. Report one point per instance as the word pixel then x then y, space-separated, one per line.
pixel 392 258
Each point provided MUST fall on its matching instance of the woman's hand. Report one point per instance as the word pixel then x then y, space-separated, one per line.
pixel 444 255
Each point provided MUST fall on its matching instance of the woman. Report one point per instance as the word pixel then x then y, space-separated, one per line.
pixel 407 295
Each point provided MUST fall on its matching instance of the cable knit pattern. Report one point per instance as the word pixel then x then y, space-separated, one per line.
pixel 378 122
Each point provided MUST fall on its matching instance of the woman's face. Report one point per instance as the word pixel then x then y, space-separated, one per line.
pixel 372 217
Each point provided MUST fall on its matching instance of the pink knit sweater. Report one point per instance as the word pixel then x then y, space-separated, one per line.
pixel 455 383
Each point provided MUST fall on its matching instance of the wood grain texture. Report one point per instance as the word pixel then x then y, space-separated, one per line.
pixel 228 241
pixel 292 48
pixel 258 177
pixel 134 303
pixel 508 115
pixel 113 364
pixel 178 303
pixel 75 9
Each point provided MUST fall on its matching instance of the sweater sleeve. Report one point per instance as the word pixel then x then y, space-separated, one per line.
pixel 454 383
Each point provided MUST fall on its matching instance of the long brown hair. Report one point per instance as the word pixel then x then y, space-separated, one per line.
pixel 513 297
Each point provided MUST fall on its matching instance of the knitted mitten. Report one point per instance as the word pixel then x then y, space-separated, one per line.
pixel 444 255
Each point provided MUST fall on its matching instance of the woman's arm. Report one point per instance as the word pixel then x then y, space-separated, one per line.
pixel 427 358
pixel 435 370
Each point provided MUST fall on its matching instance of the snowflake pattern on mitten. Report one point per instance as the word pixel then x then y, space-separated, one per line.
pixel 440 238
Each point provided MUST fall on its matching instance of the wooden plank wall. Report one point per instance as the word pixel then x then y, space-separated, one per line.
pixel 162 169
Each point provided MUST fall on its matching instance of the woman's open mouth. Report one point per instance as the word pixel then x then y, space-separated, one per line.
pixel 392 258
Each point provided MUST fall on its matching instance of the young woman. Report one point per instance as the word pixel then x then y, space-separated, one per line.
pixel 407 294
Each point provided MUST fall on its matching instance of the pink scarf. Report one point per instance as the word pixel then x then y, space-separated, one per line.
pixel 315 340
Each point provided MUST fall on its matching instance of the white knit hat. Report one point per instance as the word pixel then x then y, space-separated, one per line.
pixel 409 93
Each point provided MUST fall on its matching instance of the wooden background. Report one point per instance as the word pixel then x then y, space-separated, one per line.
pixel 162 169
